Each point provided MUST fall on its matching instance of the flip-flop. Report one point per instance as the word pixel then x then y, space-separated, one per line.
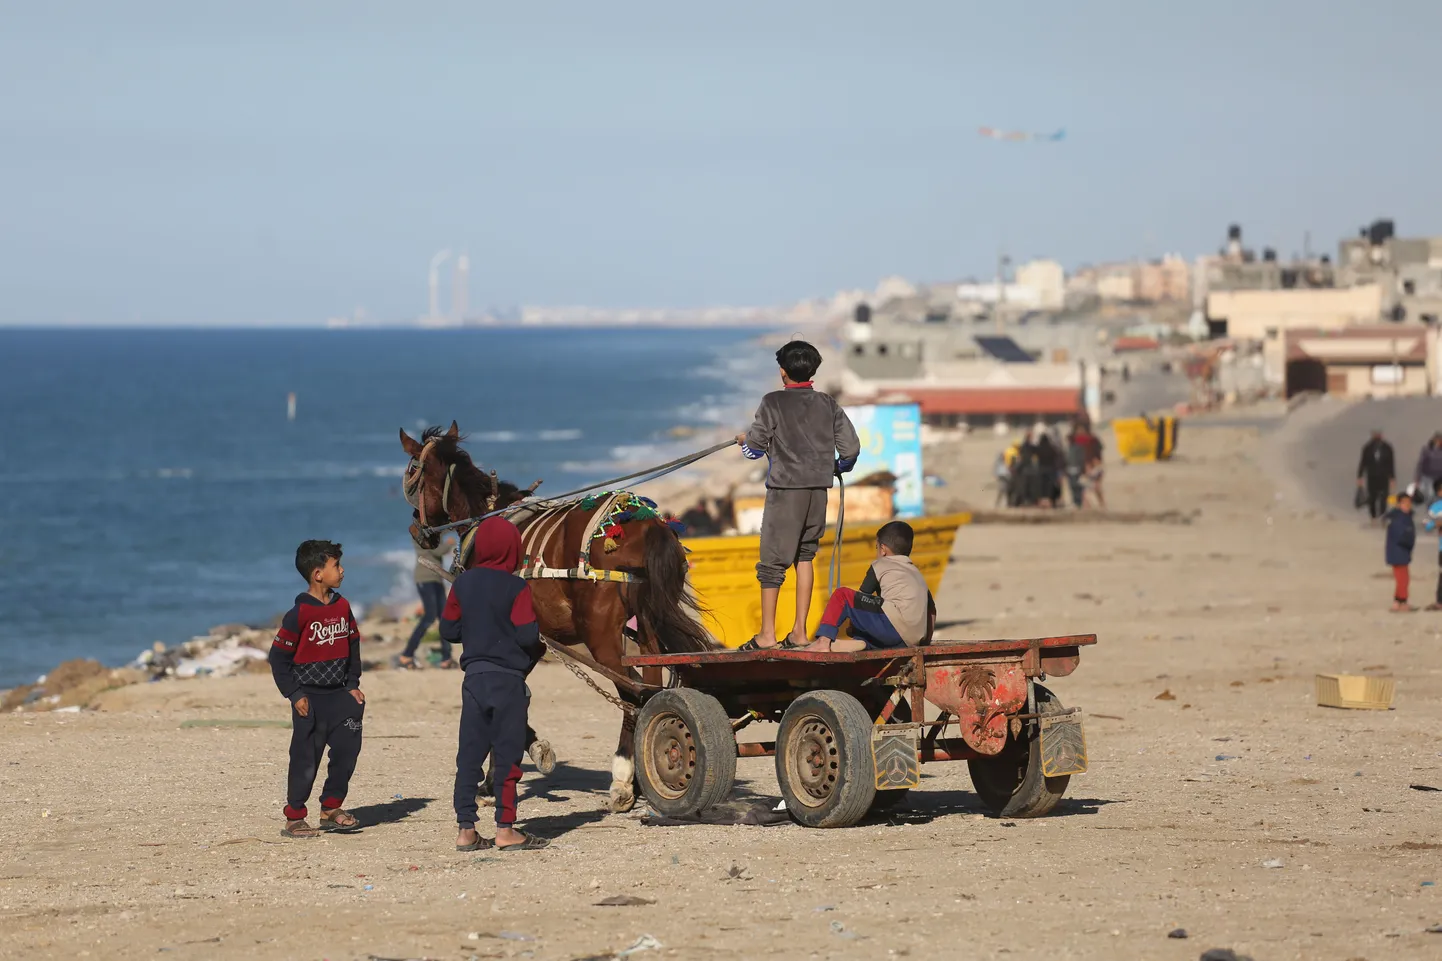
pixel 479 844
pixel 751 645
pixel 531 843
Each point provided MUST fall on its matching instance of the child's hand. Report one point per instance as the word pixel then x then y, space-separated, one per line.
pixel 359 697
pixel 302 707
pixel 741 440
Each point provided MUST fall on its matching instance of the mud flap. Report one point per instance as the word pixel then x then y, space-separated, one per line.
pixel 897 756
pixel 1063 744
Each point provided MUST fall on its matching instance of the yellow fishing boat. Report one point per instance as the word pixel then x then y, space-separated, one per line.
pixel 723 572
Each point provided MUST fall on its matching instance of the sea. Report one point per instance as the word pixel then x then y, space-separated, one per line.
pixel 152 484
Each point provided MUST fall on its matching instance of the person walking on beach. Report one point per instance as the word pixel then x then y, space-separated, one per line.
pixel 1401 538
pixel 1429 468
pixel 489 612
pixel 807 439
pixel 1377 474
pixel 432 588
pixel 1433 524
pixel 316 663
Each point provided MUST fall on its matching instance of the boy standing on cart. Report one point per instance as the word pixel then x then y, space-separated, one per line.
pixel 807 439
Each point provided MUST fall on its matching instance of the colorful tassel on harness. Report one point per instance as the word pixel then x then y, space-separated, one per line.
pixel 610 545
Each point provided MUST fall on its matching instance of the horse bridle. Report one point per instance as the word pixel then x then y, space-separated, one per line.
pixel 413 487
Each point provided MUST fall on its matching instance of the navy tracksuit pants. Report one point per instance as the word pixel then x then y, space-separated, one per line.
pixel 493 721
pixel 334 721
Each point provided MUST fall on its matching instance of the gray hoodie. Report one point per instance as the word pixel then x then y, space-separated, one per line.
pixel 806 435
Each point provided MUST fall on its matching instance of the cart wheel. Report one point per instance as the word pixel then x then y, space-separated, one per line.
pixel 1011 783
pixel 823 760
pixel 685 751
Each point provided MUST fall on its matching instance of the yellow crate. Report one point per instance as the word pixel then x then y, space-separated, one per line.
pixel 1355 691
pixel 723 573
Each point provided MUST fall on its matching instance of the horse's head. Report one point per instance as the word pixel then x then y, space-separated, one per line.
pixel 443 485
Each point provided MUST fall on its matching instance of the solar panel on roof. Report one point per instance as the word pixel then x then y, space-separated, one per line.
pixel 1004 349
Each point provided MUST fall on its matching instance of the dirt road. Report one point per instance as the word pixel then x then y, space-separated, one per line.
pixel 125 835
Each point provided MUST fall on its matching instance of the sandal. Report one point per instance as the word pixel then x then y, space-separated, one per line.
pixel 299 830
pixel 479 844
pixel 448 665
pixel 531 843
pixel 755 645
pixel 405 663
pixel 338 820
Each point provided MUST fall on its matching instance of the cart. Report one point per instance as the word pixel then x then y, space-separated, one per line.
pixel 853 728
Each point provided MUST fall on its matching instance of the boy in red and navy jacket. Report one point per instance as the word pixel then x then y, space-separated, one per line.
pixel 316 663
pixel 489 612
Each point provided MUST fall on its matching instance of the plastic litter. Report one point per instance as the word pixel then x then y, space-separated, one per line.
pixel 1272 863
pixel 1228 757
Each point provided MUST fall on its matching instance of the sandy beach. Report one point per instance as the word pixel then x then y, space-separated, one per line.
pixel 1221 800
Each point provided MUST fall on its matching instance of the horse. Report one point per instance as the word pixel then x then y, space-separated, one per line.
pixel 592 563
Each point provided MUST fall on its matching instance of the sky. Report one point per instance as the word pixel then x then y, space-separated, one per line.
pixel 197 162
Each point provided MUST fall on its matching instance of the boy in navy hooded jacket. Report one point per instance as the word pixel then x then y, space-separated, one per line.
pixel 489 612
pixel 1401 538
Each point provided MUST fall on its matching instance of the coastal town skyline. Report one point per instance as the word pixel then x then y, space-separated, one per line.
pixel 190 166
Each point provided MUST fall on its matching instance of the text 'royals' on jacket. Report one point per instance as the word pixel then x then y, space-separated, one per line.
pixel 806 435
pixel 489 612
pixel 317 648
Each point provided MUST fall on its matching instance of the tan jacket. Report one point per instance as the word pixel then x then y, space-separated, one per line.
pixel 904 596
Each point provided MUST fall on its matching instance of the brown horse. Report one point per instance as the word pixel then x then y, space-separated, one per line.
pixel 641 573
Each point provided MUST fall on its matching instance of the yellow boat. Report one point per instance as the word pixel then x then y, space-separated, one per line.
pixel 723 572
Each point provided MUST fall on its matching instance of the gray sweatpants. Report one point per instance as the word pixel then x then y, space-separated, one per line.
pixel 791 527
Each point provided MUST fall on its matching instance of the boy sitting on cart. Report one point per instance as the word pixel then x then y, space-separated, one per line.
pixel 893 608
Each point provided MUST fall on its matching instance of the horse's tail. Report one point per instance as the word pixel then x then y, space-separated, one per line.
pixel 666 609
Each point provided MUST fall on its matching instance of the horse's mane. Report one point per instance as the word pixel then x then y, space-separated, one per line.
pixel 474 483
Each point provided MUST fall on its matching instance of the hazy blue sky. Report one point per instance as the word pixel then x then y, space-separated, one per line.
pixel 237 162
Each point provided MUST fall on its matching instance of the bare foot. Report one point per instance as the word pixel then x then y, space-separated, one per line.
pixel 821 645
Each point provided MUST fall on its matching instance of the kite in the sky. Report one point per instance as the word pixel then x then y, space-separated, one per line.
pixel 1016 135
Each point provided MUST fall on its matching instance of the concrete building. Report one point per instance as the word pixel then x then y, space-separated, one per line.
pixel 1116 282
pixel 979 393
pixel 1046 279
pixel 1168 280
pixel 1261 314
pixel 1372 361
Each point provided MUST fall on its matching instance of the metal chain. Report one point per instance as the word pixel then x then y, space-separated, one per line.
pixel 585 675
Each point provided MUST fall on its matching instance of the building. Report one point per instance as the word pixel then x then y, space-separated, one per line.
pixel 1372 361
pixel 1168 280
pixel 1117 282
pixel 1261 314
pixel 1046 280
pixel 979 393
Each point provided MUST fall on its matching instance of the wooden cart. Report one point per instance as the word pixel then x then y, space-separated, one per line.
pixel 854 729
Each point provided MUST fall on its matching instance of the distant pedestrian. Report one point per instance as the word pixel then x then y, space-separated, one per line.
pixel 1078 454
pixel 1377 474
pixel 432 588
pixel 1429 468
pixel 1434 523
pixel 1001 473
pixel 1401 538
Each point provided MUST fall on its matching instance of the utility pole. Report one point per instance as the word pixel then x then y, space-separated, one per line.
pixel 1001 261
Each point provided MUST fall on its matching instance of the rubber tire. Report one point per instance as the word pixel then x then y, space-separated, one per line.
pixel 1011 783
pixel 711 738
pixel 855 770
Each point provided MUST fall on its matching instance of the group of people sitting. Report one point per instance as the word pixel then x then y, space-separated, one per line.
pixel 1041 470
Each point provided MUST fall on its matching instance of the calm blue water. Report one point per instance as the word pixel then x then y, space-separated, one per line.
pixel 151 486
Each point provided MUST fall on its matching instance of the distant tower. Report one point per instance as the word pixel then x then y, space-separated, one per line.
pixel 460 293
pixel 435 281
